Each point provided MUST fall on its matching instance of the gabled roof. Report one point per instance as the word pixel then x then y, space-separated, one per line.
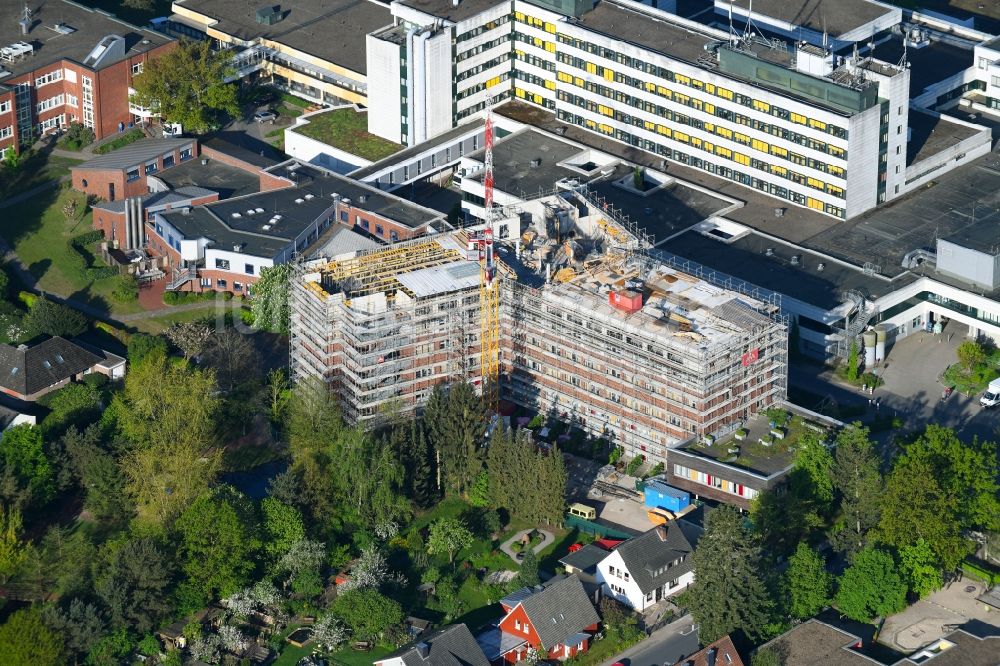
pixel 27 370
pixel 453 645
pixel 134 154
pixel 585 559
pixel 720 653
pixel 660 555
pixel 560 610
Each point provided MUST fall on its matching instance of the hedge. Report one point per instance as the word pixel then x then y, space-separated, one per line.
pixel 974 570
pixel 76 251
pixel 27 298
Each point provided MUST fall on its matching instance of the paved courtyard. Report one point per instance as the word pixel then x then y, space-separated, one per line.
pixel 912 388
pixel 931 618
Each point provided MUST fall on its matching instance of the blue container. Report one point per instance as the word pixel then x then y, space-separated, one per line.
pixel 659 494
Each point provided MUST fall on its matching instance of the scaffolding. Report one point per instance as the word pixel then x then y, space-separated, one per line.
pixel 380 346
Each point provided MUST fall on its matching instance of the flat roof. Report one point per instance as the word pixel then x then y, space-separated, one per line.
pixel 244 147
pixel 746 259
pixel 835 17
pixel 513 171
pixel 333 30
pixel 228 181
pixel 322 183
pixel 649 31
pixel 134 154
pixel 402 156
pixel 928 65
pixel 339 240
pixel 89 27
pixel 663 212
pixel 447 10
pixel 882 236
pixel 441 279
pixel 751 454
pixel 930 134
pixel 169 198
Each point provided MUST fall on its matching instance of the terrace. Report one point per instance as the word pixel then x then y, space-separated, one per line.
pixel 765 446
pixel 347 129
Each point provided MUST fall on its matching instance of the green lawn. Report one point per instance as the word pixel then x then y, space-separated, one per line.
pixel 160 323
pixel 347 130
pixel 36 170
pixel 344 657
pixel 39 232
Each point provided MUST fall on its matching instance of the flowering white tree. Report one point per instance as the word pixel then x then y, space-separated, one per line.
pixel 264 594
pixel 329 633
pixel 372 570
pixel 232 639
pixel 240 603
pixel 386 530
pixel 304 554
pixel 205 648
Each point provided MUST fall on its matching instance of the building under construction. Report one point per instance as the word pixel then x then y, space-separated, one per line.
pixel 592 328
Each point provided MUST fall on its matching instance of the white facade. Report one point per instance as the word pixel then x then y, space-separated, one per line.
pixel 619 584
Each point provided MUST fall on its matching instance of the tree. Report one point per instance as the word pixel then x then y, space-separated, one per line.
pixel 187 85
pixel 111 650
pixel 367 612
pixel 729 592
pixel 371 570
pixel 218 542
pixel 871 587
pixel 313 423
pixel 74 404
pixel 167 404
pixel 26 641
pixel 971 355
pixel 448 535
pixel 13 551
pixel 528 575
pixel 47 317
pixel 163 480
pixel 421 470
pixel 920 566
pixel 914 507
pixel 142 346
pixel 233 357
pixel 277 394
pixel 808 582
pixel 80 624
pixel 269 304
pixel 852 361
pixel 190 337
pixel 965 472
pixel 98 473
pixel 133 579
pixel 304 557
pixel 766 657
pixel 456 420
pixel 281 527
pixel 329 633
pixel 618 620
pixel 813 459
pixel 368 477
pixel 65 559
pixel 857 480
pixel 22 454
pixel 511 460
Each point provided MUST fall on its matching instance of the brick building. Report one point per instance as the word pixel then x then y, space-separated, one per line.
pixel 66 63
pixel 125 172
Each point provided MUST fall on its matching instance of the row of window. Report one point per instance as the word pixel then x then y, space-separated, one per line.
pixel 711 166
pixel 521 93
pixel 51 77
pixel 527 77
pixel 682 137
pixel 51 103
pixel 486 27
pixel 549 47
pixel 695 103
pixel 6 132
pixel 485 46
pixel 535 22
pixel 715 482
pixel 724 93
pixel 472 71
pixel 489 83
pixel 531 59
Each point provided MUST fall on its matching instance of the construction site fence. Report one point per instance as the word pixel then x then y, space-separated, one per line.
pixel 597 529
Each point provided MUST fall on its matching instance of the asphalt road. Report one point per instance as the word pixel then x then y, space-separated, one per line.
pixel 665 646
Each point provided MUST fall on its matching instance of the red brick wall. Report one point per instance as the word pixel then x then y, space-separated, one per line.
pixel 268 182
pixel 374 222
pixel 8 119
pixel 99 180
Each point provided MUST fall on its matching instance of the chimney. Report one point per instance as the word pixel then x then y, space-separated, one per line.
pixel 710 656
pixel 661 531
pixel 423 649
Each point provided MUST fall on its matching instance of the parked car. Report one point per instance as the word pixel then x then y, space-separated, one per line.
pixel 265 117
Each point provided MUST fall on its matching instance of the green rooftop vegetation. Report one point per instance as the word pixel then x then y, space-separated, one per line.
pixel 347 130
pixel 766 445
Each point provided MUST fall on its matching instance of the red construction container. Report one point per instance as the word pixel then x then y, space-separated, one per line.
pixel 626 301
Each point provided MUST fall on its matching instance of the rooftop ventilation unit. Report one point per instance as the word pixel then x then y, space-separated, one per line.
pixel 821 266
pixel 250 211
pixel 310 196
pixel 236 216
pixel 769 252
pixel 796 259
pixel 269 15
pixel 266 227
pixel 299 200
pixel 277 217
pixel 258 210
pixel 63 29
